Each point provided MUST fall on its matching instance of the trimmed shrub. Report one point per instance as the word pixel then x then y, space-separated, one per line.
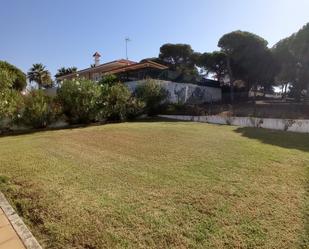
pixel 39 110
pixel 153 94
pixel 80 100
pixel 119 104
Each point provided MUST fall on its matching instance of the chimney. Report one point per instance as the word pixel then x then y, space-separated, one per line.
pixel 96 59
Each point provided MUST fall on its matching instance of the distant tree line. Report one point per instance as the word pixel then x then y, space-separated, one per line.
pixel 245 63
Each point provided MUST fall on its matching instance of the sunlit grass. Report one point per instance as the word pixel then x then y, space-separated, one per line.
pixel 160 185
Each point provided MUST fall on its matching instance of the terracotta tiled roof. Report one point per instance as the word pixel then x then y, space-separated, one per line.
pixel 103 67
pixel 145 64
pixel 117 66
pixel 126 61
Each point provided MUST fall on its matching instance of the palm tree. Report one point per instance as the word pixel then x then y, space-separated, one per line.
pixel 72 69
pixel 39 74
pixel 65 71
pixel 61 71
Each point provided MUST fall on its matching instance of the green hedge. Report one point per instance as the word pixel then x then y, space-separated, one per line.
pixel 154 96
pixel 80 100
pixel 39 110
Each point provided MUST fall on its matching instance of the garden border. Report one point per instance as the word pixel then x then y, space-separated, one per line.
pixel 294 125
pixel 19 226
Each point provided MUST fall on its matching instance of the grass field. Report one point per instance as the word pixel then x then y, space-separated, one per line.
pixel 160 185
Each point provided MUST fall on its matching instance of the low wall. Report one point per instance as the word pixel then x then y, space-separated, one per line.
pixel 295 125
pixel 185 92
pixel 52 92
pixel 6 128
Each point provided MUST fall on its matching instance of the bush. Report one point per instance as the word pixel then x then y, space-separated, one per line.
pixel 39 110
pixel 119 104
pixel 14 103
pixel 6 80
pixel 19 81
pixel 108 80
pixel 153 94
pixel 80 100
pixel 11 102
pixel 10 99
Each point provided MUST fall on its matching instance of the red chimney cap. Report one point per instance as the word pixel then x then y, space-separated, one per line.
pixel 96 54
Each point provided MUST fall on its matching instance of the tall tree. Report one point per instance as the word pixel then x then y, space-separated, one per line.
pixel 266 70
pixel 18 77
pixel 300 49
pixel 284 57
pixel 180 57
pixel 214 63
pixel 247 54
pixel 39 74
pixel 292 55
pixel 176 54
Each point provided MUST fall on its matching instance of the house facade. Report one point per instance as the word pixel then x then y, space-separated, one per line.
pixel 125 70
pixel 133 74
pixel 184 93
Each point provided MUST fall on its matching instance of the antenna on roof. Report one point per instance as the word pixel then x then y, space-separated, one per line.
pixel 127 40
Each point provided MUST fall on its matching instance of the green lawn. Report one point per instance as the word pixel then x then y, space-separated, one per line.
pixel 160 185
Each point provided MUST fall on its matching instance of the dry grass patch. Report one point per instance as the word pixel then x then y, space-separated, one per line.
pixel 160 185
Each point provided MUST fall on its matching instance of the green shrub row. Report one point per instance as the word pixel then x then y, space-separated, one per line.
pixel 80 101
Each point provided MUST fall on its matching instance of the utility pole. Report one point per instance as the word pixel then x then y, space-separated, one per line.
pixel 127 40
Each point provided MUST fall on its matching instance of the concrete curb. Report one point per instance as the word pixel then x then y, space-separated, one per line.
pixel 294 125
pixel 19 226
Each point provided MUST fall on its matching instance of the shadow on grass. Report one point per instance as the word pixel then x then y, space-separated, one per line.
pixel 42 130
pixel 80 126
pixel 288 140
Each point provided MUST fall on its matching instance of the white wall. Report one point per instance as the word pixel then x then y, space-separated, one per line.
pixel 295 125
pixel 185 92
pixel 52 92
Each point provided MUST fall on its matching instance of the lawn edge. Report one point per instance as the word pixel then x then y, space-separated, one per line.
pixel 19 226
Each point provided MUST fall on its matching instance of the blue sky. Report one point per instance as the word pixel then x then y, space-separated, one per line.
pixel 67 32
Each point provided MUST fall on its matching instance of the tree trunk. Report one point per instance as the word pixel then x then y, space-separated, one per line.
pixel 254 99
pixel 285 90
pixel 254 89
pixel 282 91
pixel 231 78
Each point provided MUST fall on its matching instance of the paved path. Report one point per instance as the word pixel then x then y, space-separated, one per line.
pixel 8 236
pixel 14 234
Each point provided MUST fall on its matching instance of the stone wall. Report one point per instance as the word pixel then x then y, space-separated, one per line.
pixel 295 125
pixel 185 93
